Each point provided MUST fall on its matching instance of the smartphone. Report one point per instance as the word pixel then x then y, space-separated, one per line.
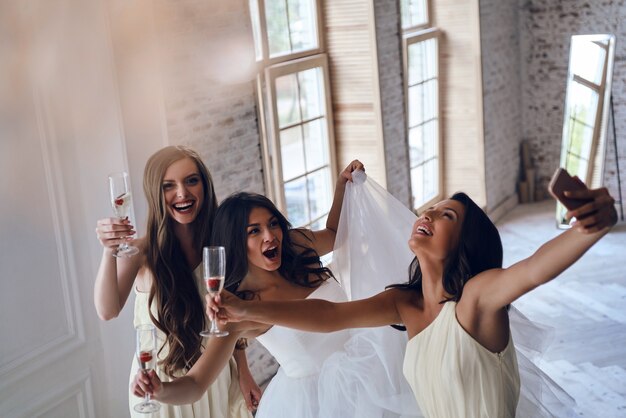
pixel 561 182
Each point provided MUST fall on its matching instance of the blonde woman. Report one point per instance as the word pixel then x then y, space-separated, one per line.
pixel 167 279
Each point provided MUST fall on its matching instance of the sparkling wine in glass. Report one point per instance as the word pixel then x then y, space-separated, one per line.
pixel 146 356
pixel 214 270
pixel 119 188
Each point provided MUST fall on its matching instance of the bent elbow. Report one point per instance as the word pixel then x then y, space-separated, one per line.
pixel 105 315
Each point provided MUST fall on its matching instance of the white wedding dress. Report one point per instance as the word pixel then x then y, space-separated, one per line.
pixel 339 374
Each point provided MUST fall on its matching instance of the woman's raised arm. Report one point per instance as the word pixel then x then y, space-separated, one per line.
pixel 115 276
pixel 497 288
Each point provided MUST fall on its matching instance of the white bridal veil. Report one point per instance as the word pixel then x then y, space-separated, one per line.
pixel 371 252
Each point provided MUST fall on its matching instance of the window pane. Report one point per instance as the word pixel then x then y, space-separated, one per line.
pixel 576 166
pixel 303 25
pixel 319 192
pixel 311 93
pixel 585 102
pixel 430 100
pixel 588 60
pixel 297 202
pixel 287 100
pixel 416 62
pixel 256 28
pixel 315 144
pixel 416 103
pixel 580 141
pixel 431 179
pixel 430 56
pixel 292 152
pixel 291 26
pixel 414 13
pixel 416 145
pixel 277 27
pixel 417 186
pixel 431 142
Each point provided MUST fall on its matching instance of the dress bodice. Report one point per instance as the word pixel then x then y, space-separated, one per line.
pixel 302 353
pixel 452 375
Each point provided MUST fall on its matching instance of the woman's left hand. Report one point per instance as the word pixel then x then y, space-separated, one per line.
pixel 346 175
pixel 595 215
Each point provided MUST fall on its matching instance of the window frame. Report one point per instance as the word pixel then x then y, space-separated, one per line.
pixel 416 28
pixel 409 38
pixel 272 152
pixel 265 60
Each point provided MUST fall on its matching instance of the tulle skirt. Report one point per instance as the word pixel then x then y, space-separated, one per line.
pixel 359 381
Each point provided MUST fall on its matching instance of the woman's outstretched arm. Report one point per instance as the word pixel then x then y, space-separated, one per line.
pixel 314 314
pixel 496 288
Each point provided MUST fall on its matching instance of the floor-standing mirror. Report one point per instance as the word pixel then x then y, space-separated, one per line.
pixel 586 110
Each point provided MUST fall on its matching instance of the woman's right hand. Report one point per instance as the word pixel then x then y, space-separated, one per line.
pixel 112 232
pixel 146 383
pixel 227 307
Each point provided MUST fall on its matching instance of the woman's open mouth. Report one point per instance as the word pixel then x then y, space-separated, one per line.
pixel 271 253
pixel 183 207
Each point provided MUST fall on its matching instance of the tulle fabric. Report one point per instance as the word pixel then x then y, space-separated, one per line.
pixel 371 251
pixel 336 375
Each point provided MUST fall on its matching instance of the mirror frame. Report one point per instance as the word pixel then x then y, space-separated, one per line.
pixel 594 175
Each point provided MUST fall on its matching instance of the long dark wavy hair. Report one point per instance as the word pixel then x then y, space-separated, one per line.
pixel 174 287
pixel 298 263
pixel 479 249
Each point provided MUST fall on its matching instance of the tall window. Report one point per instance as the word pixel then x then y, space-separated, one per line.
pixel 421 81
pixel 294 98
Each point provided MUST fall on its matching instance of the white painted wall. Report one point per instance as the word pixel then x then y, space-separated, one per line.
pixel 61 133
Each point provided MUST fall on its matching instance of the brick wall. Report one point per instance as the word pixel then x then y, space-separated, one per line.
pixel 389 49
pixel 501 98
pixel 207 56
pixel 545 31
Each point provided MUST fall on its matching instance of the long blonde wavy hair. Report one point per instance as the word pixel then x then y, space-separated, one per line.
pixel 179 306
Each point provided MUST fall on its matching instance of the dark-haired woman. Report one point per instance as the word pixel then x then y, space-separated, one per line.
pixel 460 359
pixel 269 261
pixel 167 280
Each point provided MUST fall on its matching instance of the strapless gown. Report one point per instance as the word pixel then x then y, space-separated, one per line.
pixel 341 374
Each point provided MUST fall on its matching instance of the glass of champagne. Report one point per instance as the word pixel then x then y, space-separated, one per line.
pixel 119 188
pixel 214 268
pixel 146 353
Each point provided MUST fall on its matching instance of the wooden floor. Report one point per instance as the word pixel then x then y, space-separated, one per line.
pixel 586 305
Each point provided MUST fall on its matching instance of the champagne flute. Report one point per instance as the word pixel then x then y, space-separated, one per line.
pixel 119 188
pixel 214 270
pixel 146 353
